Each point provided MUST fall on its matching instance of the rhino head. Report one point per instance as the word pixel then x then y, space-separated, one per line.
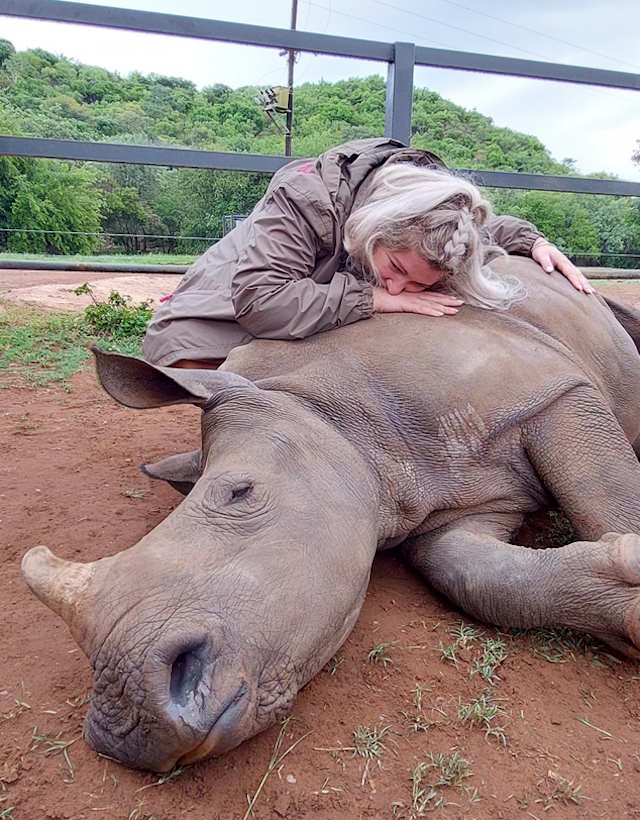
pixel 202 633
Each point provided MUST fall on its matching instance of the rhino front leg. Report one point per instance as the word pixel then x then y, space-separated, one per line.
pixel 590 586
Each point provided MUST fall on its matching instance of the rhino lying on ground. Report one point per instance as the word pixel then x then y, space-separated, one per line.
pixel 436 435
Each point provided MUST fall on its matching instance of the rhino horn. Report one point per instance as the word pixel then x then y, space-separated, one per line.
pixel 136 383
pixel 62 586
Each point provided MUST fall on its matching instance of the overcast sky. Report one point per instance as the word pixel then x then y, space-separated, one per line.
pixel 596 127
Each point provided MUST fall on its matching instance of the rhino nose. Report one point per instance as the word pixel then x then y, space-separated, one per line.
pixel 187 672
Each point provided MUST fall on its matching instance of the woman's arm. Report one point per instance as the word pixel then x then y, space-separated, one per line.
pixel 523 238
pixel 273 294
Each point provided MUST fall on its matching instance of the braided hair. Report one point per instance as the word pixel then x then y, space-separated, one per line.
pixel 441 216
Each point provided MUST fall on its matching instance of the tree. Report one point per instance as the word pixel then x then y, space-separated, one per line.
pixel 55 209
pixel 6 50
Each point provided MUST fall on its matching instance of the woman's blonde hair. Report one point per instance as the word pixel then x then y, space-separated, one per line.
pixel 441 216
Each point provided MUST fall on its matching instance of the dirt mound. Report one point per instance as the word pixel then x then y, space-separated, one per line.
pixel 55 292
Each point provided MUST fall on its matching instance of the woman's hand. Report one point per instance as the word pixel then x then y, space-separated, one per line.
pixel 424 302
pixel 550 258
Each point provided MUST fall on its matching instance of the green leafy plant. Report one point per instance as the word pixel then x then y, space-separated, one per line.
pixel 116 318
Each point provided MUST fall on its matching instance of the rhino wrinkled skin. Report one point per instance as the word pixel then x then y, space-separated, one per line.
pixel 432 435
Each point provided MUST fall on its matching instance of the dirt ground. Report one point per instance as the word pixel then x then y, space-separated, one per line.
pixel 69 478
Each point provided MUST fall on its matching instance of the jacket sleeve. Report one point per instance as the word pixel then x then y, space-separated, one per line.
pixel 514 235
pixel 273 294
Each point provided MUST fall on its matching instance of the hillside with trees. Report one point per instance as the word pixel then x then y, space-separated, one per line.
pixel 73 205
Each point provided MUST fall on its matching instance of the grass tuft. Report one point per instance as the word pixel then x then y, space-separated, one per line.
pixel 378 653
pixel 557 788
pixel 429 778
pixel 463 635
pixel 416 718
pixel 482 712
pixel 558 645
pixel 275 760
pixel 55 745
pixel 494 653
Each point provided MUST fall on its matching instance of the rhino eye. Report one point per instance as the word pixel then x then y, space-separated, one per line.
pixel 241 491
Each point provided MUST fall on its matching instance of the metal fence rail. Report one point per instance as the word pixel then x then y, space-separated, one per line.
pixel 401 59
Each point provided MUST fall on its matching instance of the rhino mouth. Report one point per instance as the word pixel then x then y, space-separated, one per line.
pixel 225 732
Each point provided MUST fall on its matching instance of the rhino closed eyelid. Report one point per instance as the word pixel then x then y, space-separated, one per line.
pixel 241 491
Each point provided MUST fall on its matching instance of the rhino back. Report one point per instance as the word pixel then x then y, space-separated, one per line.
pixel 506 365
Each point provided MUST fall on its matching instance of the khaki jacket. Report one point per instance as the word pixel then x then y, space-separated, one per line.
pixel 280 274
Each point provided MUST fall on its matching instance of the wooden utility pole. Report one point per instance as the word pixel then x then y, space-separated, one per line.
pixel 292 59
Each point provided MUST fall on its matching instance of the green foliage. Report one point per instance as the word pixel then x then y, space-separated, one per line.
pixel 117 318
pixel 6 50
pixel 55 199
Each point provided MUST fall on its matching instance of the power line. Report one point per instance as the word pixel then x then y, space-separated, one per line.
pixel 412 34
pixel 539 33
pixel 217 238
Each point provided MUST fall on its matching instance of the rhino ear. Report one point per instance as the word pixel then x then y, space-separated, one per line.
pixel 138 384
pixel 181 471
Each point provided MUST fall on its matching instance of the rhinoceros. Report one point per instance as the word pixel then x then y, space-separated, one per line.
pixel 435 436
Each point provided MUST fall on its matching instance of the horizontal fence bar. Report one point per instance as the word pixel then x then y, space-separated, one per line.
pixel 533 69
pixel 225 161
pixel 198 28
pixel 90 267
pixel 222 31
pixel 139 154
pixel 544 182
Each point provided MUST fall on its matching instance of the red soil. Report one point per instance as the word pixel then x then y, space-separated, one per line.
pixel 69 474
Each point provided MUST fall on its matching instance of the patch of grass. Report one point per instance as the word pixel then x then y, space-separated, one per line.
pixel 428 779
pixel 559 644
pixel 450 770
pixel 335 663
pixel 416 718
pixel 556 787
pixel 463 635
pixel 585 720
pixel 116 258
pixel 166 778
pixel 79 700
pixel 327 789
pixel 482 712
pixel 55 745
pixel 20 707
pixel 26 424
pixel 368 744
pixel 274 762
pixel 494 653
pixel 5 811
pixel 132 493
pixel 41 348
pixel 378 653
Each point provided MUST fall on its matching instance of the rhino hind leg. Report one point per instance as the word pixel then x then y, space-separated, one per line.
pixel 585 461
pixel 590 586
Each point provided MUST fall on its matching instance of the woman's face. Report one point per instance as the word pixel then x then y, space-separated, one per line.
pixel 405 270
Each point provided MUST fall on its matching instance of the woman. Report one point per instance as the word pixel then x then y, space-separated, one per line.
pixel 366 228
